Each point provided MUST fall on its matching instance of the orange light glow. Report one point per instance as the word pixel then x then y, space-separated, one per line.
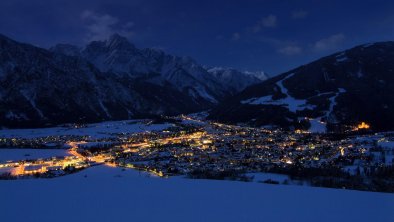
pixel 363 125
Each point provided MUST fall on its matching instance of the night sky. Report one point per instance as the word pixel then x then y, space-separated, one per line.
pixel 269 35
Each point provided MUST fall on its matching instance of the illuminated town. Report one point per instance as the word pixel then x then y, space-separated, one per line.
pixel 200 149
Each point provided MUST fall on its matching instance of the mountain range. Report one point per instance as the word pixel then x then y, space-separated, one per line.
pixel 112 79
pixel 106 80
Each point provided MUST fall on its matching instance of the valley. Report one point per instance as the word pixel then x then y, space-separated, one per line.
pixel 193 147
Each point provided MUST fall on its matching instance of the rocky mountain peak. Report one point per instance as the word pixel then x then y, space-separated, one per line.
pixel 119 42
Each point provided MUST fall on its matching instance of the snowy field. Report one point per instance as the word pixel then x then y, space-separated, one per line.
pixel 110 194
pixel 24 154
pixel 96 130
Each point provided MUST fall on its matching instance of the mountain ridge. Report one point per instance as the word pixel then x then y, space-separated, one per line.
pixel 118 55
pixel 337 91
pixel 41 87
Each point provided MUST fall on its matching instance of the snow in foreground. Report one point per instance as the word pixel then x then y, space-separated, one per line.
pixel 110 194
pixel 25 154
pixel 94 130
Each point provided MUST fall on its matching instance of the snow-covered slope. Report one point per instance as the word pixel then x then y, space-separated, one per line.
pixel 339 91
pixel 94 130
pixel 104 194
pixel 13 154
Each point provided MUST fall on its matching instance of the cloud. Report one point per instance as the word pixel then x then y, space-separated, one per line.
pixel 329 43
pixel 236 36
pixel 101 26
pixel 267 22
pixel 290 50
pixel 299 14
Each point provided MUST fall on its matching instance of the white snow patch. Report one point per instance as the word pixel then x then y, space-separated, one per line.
pixel 104 108
pixel 317 126
pixel 386 144
pixel 259 74
pixel 368 45
pixel 341 57
pixel 290 102
pixel 24 154
pixel 96 130
pixel 333 101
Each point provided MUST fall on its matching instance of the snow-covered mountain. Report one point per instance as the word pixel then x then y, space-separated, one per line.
pixel 234 80
pixel 335 92
pixel 117 55
pixel 109 79
pixel 40 87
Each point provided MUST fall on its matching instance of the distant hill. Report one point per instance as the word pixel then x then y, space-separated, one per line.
pixel 336 92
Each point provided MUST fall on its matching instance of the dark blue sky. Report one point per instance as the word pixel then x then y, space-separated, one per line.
pixel 269 35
